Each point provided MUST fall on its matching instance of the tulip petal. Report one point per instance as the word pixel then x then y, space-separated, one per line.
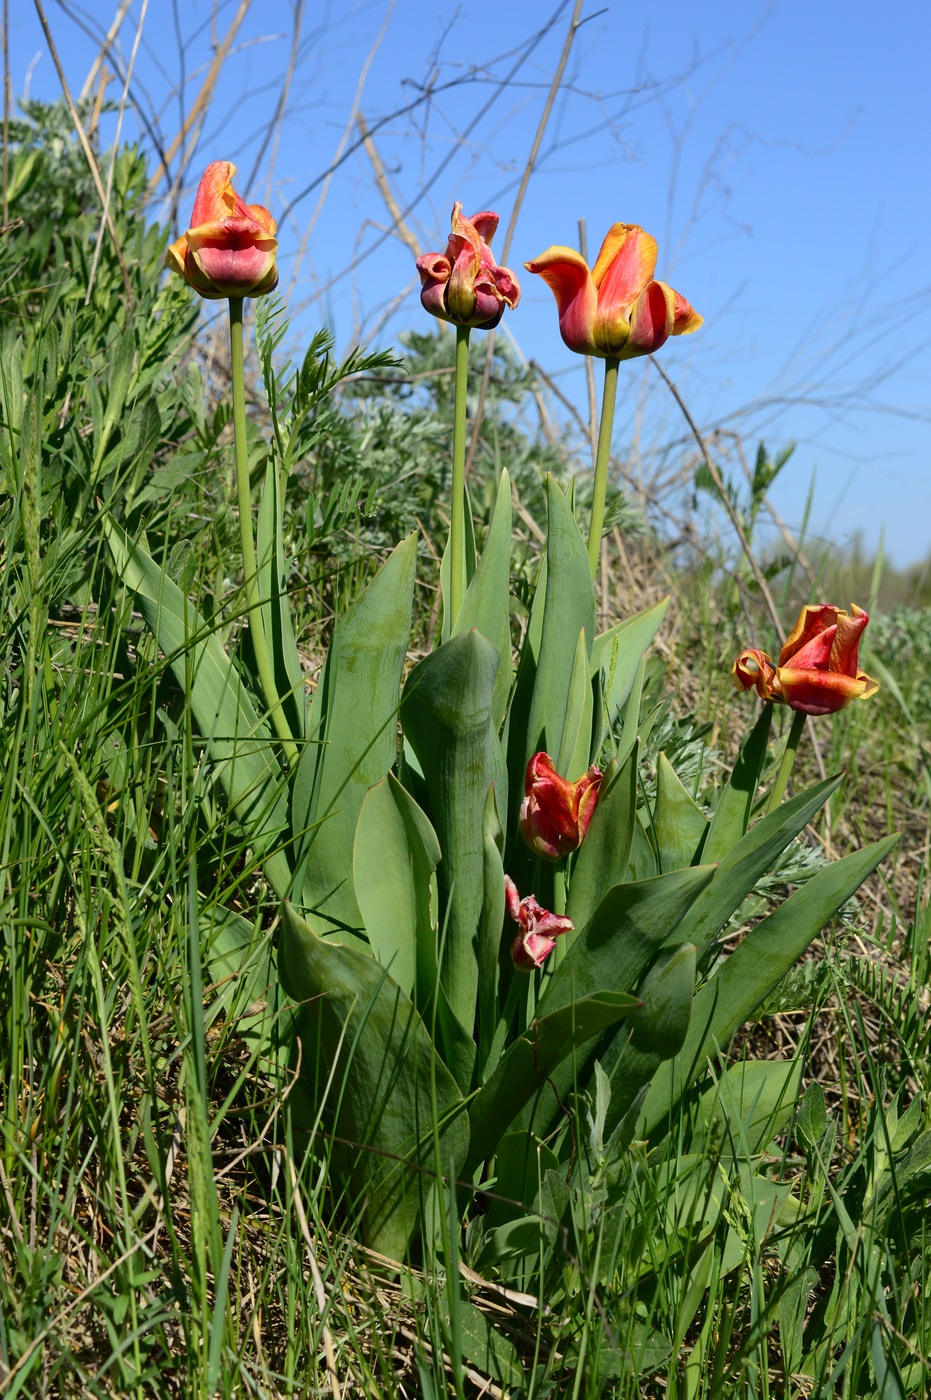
pixel 485 225
pixel 685 318
pixel 821 692
pixel 625 264
pixel 847 640
pixel 215 198
pixel 814 618
pixel 753 670
pixel 650 321
pixel 566 274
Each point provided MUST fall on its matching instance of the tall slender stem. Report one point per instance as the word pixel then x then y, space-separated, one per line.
pixel 788 758
pixel 457 511
pixel 249 560
pixel 602 462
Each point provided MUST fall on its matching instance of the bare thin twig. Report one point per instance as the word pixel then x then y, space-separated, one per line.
pixel 202 100
pixel 86 148
pixel 116 143
pixel 104 50
pixel 529 168
pixel 399 225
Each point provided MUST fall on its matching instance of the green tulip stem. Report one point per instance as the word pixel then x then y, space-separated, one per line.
pixel 788 758
pixel 249 560
pixel 457 512
pixel 602 462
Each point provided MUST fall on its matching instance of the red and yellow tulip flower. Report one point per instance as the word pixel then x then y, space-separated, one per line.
pixel 615 310
pixel 229 250
pixel 539 929
pixel 555 814
pixel 817 672
pixel 465 285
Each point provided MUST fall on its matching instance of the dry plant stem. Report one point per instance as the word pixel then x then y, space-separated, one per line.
pixel 457 510
pixel 602 462
pixel 529 168
pixel 202 100
pixel 88 153
pixel 249 561
pixel 788 758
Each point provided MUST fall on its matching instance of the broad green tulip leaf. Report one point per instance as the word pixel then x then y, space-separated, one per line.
pixel 619 651
pixel 446 713
pixel 490 926
pixel 447 628
pixel 601 860
pixel 391 1093
pixel 753 970
pixel 394 855
pixel 238 742
pixel 576 744
pixel 748 861
pixel 750 1103
pixel 732 811
pixel 351 738
pixel 630 727
pixel 487 1349
pixel 657 1031
pixel 487 603
pixel 641 863
pixel 623 936
pixel 276 610
pixel 526 1066
pixel 521 1163
pixel 621 940
pixel 541 702
pixel 679 824
pixel 241 960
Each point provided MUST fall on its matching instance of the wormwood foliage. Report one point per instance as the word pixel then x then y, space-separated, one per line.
pixel 254 1007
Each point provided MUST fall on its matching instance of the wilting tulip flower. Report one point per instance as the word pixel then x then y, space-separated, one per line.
pixel 465 285
pixel 555 814
pixel 615 310
pixel 229 250
pixel 539 929
pixel 817 672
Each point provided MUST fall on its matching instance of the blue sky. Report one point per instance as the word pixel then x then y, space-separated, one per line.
pixel 778 152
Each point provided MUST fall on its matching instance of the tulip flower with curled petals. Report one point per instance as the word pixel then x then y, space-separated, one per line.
pixel 818 671
pixel 615 310
pixel 465 285
pixel 539 929
pixel 229 250
pixel 555 814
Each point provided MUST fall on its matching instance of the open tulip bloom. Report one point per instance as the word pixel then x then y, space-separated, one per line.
pixel 539 929
pixel 617 311
pixel 614 310
pixel 229 250
pixel 555 814
pixel 817 672
pixel 464 285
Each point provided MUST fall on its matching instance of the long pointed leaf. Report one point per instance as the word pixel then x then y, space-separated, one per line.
pixel 394 1092
pixel 238 742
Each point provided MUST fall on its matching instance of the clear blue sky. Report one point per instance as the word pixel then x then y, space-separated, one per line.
pixel 777 151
